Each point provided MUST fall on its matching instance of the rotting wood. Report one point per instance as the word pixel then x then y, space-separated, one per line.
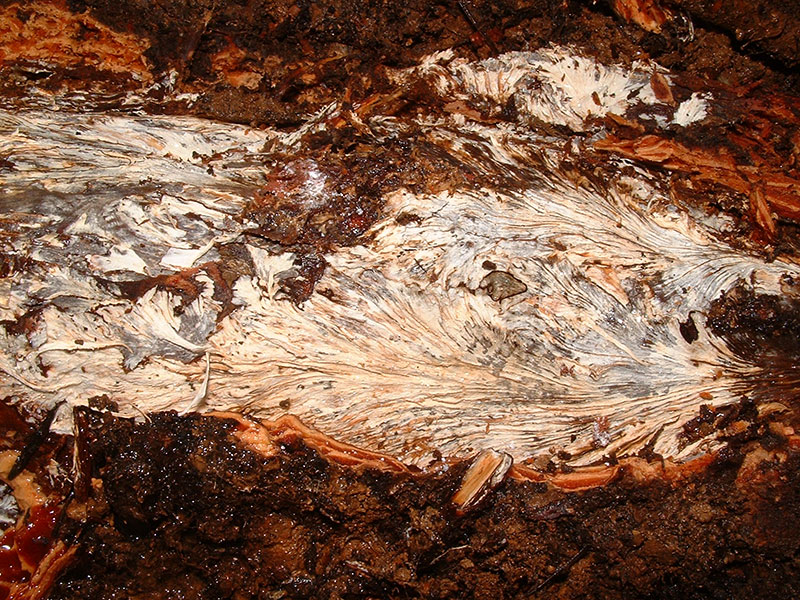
pixel 765 188
pixel 486 472
pixel 426 243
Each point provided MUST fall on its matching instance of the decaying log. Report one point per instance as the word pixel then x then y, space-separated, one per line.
pixel 457 300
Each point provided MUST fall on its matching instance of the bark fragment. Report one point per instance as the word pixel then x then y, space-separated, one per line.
pixel 768 190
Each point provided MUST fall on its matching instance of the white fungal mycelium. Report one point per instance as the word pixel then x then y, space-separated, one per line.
pixel 691 110
pixel 551 86
pixel 405 350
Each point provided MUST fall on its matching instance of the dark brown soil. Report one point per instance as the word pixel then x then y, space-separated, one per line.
pixel 764 325
pixel 273 61
pixel 768 29
pixel 178 507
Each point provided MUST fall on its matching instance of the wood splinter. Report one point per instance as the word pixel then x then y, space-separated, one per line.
pixel 487 471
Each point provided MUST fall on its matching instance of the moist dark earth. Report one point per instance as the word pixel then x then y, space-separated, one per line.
pixel 177 507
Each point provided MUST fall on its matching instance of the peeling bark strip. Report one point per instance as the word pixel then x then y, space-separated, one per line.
pixel 487 471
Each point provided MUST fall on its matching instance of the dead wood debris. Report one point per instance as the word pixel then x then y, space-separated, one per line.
pixel 324 523
pixel 769 190
pixel 487 471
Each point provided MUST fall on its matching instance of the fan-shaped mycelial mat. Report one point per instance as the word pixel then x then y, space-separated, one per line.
pixel 522 304
pixel 538 268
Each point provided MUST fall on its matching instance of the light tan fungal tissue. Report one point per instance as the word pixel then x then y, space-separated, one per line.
pixel 410 351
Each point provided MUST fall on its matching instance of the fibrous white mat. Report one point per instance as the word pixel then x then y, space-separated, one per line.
pixel 404 350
